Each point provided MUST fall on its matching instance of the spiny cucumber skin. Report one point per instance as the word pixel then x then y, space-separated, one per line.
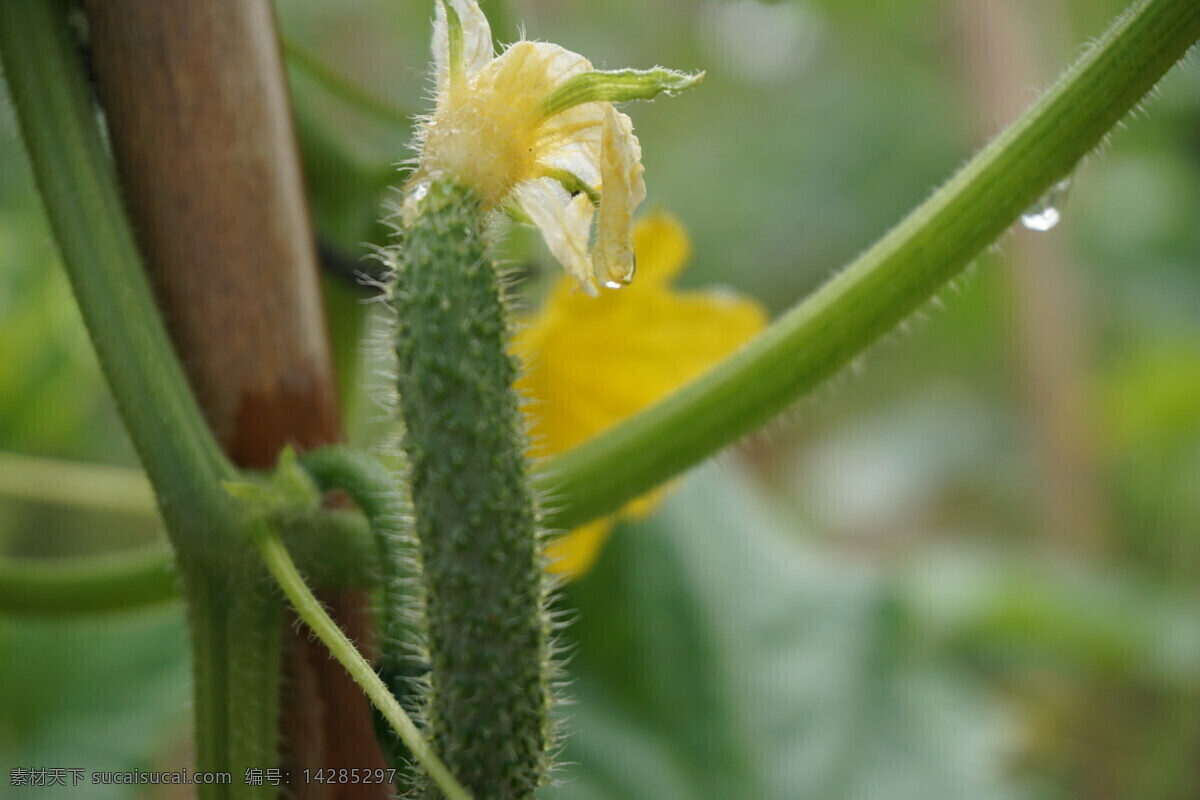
pixel 488 638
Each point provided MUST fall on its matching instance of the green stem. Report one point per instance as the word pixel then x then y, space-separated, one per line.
pixel 79 188
pixel 334 548
pixel 234 619
pixel 886 283
pixel 96 584
pixel 484 589
pixel 376 491
pixel 370 484
pixel 878 290
pixel 237 624
pixel 309 609
pixel 98 487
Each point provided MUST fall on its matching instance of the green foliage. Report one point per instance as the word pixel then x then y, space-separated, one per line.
pixel 107 694
pixel 720 654
pixel 720 651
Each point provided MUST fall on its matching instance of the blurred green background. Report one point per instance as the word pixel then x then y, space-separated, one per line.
pixel 966 568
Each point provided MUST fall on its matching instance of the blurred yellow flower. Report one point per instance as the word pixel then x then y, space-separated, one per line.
pixel 592 361
pixel 534 131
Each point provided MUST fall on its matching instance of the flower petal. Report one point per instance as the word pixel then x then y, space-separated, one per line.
pixel 571 141
pixel 476 41
pixel 565 223
pixel 629 350
pixel 640 344
pixel 662 247
pixel 622 190
pixel 591 362
pixel 527 72
pixel 573 554
pixel 588 363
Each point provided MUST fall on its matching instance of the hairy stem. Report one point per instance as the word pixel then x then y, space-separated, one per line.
pixel 824 332
pixel 234 618
pixel 79 190
pixel 284 571
pixel 376 491
pixel 335 549
pixel 886 283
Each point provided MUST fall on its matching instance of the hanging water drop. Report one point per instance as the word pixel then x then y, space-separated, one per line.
pixel 623 280
pixel 1045 213
pixel 1041 217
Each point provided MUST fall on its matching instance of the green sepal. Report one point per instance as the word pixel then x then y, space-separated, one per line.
pixel 572 183
pixel 619 86
pixel 454 36
pixel 287 492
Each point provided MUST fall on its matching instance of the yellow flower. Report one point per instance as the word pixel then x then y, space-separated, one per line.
pixel 534 131
pixel 591 362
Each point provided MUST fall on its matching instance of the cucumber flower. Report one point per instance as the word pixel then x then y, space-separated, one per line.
pixel 591 362
pixel 533 132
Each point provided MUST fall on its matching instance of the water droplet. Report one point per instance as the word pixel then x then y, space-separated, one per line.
pixel 1045 213
pixel 1041 218
pixel 418 192
pixel 623 280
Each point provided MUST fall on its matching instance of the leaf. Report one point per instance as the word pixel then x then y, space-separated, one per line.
pixel 95 694
pixel 719 655
pixel 1083 618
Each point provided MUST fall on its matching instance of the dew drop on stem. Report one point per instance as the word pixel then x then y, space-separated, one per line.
pixel 1047 211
